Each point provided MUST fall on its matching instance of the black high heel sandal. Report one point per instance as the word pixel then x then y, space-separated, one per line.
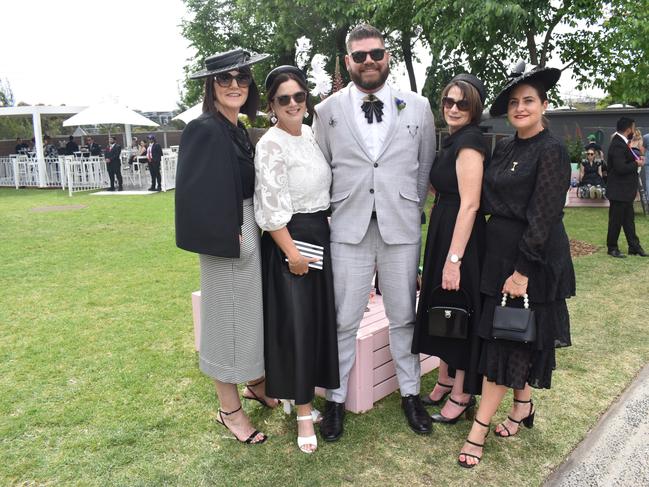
pixel 463 463
pixel 431 402
pixel 248 441
pixel 255 397
pixel 528 421
pixel 467 411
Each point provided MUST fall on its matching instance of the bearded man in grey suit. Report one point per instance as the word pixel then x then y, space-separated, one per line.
pixel 380 143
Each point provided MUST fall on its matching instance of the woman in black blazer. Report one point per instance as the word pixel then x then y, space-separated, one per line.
pixel 215 218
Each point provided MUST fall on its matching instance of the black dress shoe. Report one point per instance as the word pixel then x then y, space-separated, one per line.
pixel 110 189
pixel 331 426
pixel 638 251
pixel 121 188
pixel 616 253
pixel 418 419
pixel 159 189
pixel 151 189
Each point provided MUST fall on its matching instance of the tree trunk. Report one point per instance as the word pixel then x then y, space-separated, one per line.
pixel 406 49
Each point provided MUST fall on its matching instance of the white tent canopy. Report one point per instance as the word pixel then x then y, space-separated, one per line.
pixel 106 113
pixel 190 114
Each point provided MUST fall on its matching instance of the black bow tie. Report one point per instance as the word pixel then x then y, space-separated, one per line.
pixel 373 107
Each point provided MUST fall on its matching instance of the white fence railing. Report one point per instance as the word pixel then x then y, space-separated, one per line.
pixel 7 172
pixel 168 171
pixel 86 174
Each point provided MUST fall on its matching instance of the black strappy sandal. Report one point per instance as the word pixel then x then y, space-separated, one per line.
pixel 431 402
pixel 528 421
pixel 255 397
pixel 248 441
pixel 480 445
pixel 467 411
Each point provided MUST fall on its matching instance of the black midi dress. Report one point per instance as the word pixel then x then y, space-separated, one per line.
pixel 459 354
pixel 524 193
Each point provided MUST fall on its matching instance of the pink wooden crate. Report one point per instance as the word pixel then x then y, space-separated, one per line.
pixel 373 376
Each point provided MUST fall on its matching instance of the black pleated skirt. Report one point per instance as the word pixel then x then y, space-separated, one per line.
pixel 300 337
pixel 460 354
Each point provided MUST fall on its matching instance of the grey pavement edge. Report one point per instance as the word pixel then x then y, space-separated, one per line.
pixel 615 453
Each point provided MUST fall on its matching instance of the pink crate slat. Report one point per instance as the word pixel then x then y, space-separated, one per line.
pixel 381 356
pixel 383 389
pixel 359 390
pixel 384 372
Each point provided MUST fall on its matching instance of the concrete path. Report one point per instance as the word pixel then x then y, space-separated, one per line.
pixel 616 452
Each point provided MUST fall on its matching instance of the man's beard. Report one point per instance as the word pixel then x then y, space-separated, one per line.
pixel 370 85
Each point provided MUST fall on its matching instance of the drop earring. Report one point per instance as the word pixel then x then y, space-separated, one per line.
pixel 273 118
pixel 306 114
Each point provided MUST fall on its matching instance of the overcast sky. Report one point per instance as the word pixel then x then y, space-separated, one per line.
pixel 79 52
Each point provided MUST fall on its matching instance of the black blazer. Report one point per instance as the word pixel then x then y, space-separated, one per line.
pixel 156 153
pixel 113 154
pixel 209 210
pixel 94 149
pixel 622 184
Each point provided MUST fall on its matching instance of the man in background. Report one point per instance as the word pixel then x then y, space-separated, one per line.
pixel 114 164
pixel 622 187
pixel 93 147
pixel 154 156
pixel 71 147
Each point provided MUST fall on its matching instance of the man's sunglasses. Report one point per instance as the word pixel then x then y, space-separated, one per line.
pixel 361 56
pixel 284 100
pixel 224 80
pixel 462 105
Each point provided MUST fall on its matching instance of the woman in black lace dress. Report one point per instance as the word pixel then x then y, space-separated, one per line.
pixel 527 252
pixel 454 247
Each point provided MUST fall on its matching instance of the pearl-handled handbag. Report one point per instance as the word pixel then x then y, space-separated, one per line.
pixel 514 324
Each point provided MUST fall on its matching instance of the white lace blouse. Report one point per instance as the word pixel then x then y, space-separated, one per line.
pixel 291 176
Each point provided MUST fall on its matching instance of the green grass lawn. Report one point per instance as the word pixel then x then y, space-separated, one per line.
pixel 99 383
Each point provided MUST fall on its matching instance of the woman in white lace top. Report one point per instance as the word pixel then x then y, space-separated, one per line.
pixel 292 180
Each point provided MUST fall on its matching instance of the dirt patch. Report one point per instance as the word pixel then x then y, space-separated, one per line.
pixel 43 209
pixel 579 248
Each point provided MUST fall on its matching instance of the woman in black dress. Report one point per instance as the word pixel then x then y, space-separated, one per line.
pixel 454 246
pixel 527 253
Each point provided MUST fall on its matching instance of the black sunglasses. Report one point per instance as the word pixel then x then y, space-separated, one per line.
pixel 224 80
pixel 361 56
pixel 462 105
pixel 299 97
pixel 590 153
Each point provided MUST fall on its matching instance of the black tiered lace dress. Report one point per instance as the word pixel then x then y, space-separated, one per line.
pixel 524 191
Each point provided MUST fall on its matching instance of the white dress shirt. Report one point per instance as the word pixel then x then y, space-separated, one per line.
pixel 374 134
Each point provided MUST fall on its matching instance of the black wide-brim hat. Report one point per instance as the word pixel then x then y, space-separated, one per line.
pixel 287 68
pixel 222 62
pixel 547 77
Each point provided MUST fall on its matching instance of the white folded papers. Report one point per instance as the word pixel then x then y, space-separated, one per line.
pixel 310 250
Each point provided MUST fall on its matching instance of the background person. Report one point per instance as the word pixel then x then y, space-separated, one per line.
pixel 455 245
pixel 527 252
pixel 114 164
pixel 622 188
pixel 71 147
pixel 590 176
pixel 93 147
pixel 154 156
pixel 215 184
pixel 291 203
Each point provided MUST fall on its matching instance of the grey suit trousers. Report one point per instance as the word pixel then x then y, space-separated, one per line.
pixel 353 268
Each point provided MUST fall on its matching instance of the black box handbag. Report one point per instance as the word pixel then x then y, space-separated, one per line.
pixel 514 324
pixel 449 321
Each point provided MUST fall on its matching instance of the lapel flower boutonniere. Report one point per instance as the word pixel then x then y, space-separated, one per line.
pixel 332 122
pixel 400 104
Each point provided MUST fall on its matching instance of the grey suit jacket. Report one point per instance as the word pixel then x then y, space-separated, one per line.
pixel 395 183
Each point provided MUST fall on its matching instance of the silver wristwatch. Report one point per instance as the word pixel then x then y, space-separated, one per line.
pixel 454 258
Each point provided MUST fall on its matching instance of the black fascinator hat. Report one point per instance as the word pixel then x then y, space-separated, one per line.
pixel 546 77
pixel 270 79
pixel 222 62
pixel 473 81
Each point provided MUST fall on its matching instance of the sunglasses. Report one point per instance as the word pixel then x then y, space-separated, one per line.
pixel 224 80
pixel 361 56
pixel 462 105
pixel 590 153
pixel 284 100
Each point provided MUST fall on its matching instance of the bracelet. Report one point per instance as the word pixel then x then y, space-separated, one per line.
pixel 518 283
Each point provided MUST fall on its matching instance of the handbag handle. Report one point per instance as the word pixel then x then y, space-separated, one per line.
pixel 467 300
pixel 526 301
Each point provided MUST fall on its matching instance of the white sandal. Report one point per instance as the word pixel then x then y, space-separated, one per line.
pixel 303 441
pixel 288 405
